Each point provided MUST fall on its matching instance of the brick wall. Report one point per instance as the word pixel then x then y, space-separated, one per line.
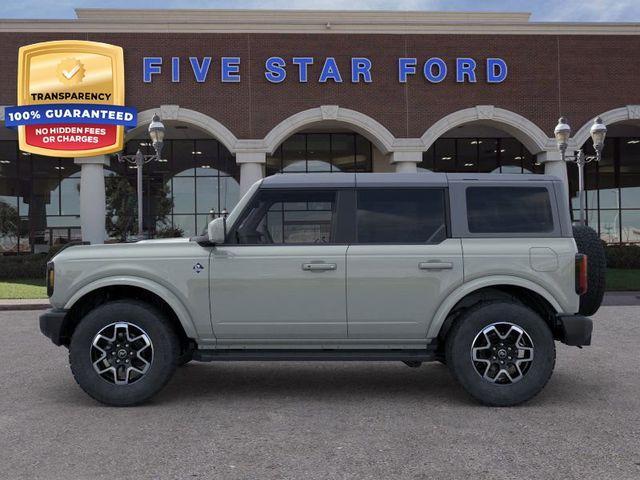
pixel 578 76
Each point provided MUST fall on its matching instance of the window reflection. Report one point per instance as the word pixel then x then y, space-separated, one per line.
pixel 321 152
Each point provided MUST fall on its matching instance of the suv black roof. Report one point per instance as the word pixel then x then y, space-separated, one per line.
pixel 319 180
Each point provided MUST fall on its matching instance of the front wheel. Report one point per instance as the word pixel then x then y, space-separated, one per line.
pixel 502 353
pixel 123 352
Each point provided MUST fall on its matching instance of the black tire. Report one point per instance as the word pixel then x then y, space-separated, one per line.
pixel 165 352
pixel 589 243
pixel 184 358
pixel 458 352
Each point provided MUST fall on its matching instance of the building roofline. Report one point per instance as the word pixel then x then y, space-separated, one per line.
pixel 99 20
pixel 263 16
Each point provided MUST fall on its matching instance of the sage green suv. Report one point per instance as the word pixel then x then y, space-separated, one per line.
pixel 481 272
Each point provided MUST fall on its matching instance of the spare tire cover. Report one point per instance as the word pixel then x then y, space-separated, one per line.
pixel 589 243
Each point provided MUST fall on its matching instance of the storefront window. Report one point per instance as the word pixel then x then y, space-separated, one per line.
pixel 612 190
pixel 321 152
pixel 484 155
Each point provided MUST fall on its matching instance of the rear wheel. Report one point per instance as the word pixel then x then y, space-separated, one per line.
pixel 122 353
pixel 501 353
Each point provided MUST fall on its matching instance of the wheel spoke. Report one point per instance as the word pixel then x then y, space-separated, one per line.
pixel 502 353
pixel 121 353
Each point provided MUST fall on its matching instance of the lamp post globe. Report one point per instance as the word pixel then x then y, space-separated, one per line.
pixel 156 133
pixel 562 133
pixel 598 133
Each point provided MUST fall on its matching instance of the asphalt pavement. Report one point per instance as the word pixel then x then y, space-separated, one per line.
pixel 322 420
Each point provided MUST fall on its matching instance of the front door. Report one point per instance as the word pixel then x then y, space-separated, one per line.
pixel 402 264
pixel 282 273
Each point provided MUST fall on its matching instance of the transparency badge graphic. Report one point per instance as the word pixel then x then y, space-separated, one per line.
pixel 70 99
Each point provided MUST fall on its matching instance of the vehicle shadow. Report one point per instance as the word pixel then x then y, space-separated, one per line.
pixel 302 381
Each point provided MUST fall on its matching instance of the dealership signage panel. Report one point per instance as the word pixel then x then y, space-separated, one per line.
pixel 323 70
pixel 71 99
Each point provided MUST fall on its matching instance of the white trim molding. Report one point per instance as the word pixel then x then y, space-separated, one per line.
pixel 531 136
pixel 373 130
pixel 622 114
pixel 200 120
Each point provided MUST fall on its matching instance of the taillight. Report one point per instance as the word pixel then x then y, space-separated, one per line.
pixel 581 274
pixel 51 277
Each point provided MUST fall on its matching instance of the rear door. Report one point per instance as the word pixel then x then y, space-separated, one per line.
pixel 402 264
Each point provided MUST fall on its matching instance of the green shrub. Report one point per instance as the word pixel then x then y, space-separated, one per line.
pixel 623 256
pixel 170 232
pixel 23 266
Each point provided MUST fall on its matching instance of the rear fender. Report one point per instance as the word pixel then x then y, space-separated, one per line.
pixel 492 281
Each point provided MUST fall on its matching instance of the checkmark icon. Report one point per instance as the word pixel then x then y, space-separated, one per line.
pixel 71 73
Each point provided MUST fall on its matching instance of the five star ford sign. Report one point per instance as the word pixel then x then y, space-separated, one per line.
pixel 71 99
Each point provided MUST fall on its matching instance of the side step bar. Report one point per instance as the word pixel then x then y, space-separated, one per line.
pixel 425 355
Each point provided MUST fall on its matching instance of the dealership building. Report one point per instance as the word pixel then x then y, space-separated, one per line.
pixel 247 94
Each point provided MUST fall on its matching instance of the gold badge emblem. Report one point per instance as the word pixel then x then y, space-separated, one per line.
pixel 86 76
pixel 70 71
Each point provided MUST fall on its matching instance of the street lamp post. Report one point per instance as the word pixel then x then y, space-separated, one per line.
pixel 562 133
pixel 156 133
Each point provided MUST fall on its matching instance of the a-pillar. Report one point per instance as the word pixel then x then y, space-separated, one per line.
pixel 251 168
pixel 93 208
pixel 406 162
pixel 553 165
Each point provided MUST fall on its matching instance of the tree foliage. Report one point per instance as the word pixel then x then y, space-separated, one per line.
pixel 122 208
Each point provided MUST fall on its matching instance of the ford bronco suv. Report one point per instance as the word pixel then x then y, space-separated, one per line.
pixel 482 272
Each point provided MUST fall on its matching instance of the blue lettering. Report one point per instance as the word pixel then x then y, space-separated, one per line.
pixel 406 66
pixel 360 67
pixel 303 64
pixel 230 70
pixel 465 67
pixel 330 71
pixel 151 66
pixel 428 70
pixel 175 69
pixel 275 69
pixel 496 70
pixel 200 71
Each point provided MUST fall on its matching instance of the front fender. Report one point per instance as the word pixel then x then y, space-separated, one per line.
pixel 174 302
pixel 492 281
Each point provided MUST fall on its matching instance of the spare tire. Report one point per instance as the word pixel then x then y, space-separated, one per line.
pixel 589 243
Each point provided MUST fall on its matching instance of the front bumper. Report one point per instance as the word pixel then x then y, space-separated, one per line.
pixel 574 330
pixel 52 325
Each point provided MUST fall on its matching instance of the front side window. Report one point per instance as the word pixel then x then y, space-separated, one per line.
pixel 509 210
pixel 401 215
pixel 288 217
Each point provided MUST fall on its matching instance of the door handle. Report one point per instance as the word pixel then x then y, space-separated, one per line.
pixel 435 265
pixel 319 267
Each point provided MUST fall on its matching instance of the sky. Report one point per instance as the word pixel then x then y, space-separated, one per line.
pixel 542 10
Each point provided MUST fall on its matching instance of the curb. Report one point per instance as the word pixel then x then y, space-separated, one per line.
pixel 17 305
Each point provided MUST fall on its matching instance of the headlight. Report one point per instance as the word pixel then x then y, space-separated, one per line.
pixel 51 277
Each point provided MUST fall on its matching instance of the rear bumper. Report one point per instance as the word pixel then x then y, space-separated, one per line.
pixel 52 325
pixel 574 330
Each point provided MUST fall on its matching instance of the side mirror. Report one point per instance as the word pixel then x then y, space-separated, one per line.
pixel 217 230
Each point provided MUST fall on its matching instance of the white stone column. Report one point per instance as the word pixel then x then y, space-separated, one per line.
pixel 406 162
pixel 92 198
pixel 553 165
pixel 251 168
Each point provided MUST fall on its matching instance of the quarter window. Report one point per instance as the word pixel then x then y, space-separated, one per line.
pixel 509 210
pixel 401 215
pixel 288 217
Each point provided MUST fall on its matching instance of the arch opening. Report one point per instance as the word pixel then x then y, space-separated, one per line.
pixel 481 148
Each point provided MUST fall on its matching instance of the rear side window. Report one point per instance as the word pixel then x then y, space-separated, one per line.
pixel 401 215
pixel 509 210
